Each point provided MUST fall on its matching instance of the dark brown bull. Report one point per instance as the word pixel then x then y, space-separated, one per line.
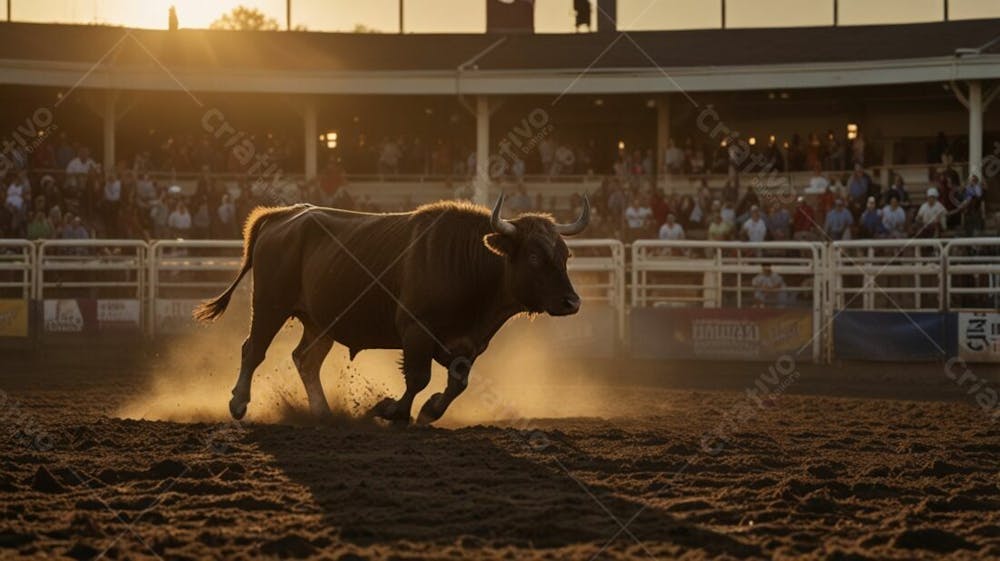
pixel 437 283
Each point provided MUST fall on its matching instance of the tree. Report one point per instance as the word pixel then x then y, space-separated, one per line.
pixel 245 19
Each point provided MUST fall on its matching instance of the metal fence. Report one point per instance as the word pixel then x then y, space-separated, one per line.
pixel 71 286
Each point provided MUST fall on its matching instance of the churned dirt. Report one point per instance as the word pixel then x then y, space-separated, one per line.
pixel 673 462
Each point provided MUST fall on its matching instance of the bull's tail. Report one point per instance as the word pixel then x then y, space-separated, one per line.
pixel 212 309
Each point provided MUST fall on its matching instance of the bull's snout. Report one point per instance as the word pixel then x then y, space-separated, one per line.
pixel 568 305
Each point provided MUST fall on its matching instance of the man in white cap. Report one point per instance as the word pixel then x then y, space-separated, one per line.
pixel 931 215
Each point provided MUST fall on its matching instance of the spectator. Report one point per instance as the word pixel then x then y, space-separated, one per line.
pixel 112 204
pixel 769 288
pixel 898 190
pixel 858 188
pixel 78 168
pixel 838 221
pixel 754 229
pixel 818 182
pixel 728 213
pixel 389 156
pixel 74 230
pixel 719 230
pixel 39 228
pixel 778 222
pixel 931 216
pixel 971 207
pixel 871 221
pixel 894 218
pixel 179 223
pixel 804 221
pixel 16 196
pixel 673 158
pixel 637 216
pixel 226 218
pixel 520 201
pixel 671 230
pixel 201 220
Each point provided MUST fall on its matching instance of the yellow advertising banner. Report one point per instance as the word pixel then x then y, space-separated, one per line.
pixel 13 318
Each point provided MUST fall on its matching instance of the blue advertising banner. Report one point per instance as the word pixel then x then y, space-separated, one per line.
pixel 894 336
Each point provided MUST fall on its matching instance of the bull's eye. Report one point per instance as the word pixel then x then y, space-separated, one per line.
pixel 534 259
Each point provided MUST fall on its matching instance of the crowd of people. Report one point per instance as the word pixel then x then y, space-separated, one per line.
pixel 829 208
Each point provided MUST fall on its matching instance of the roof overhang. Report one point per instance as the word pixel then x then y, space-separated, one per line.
pixel 649 80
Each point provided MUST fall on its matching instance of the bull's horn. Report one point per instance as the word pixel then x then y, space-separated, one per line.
pixel 580 224
pixel 499 224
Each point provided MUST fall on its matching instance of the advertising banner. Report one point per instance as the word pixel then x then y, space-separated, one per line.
pixel 979 336
pixel 13 318
pixel 721 333
pixel 81 315
pixel 894 336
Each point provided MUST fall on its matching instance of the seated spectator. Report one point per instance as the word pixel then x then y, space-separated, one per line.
pixel 637 216
pixel 778 222
pixel 769 288
pixel 898 190
pixel 179 222
pixel 871 225
pixel 818 182
pixel 673 158
pixel 754 229
pixel 894 219
pixel 838 221
pixel 520 201
pixel 671 230
pixel 145 192
pixel 74 229
pixel 719 230
pixel 226 226
pixel 804 221
pixel 728 213
pixel 39 228
pixel 931 216
pixel 16 195
pixel 78 168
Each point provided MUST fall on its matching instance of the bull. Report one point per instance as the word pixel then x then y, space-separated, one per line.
pixel 437 283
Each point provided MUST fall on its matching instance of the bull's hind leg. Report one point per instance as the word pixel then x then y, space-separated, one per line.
pixel 264 325
pixel 417 352
pixel 308 357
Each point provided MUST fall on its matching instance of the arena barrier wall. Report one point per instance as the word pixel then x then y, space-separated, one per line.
pixel 685 298
pixel 695 299
pixel 17 271
pixel 91 286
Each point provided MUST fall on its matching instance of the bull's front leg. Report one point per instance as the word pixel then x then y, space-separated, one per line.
pixel 417 352
pixel 458 380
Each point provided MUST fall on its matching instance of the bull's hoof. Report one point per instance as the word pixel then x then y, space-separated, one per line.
pixel 431 411
pixel 390 410
pixel 237 408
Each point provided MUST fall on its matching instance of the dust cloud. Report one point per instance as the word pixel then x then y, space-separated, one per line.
pixel 518 378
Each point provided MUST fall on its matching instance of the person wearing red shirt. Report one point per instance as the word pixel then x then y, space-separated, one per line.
pixel 804 221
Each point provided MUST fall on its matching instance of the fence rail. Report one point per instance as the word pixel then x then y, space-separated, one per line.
pixel 84 285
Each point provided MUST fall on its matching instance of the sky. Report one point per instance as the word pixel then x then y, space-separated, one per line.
pixel 551 16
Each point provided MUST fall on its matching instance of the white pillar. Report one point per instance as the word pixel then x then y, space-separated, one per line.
pixel 109 117
pixel 975 127
pixel 662 132
pixel 311 137
pixel 481 183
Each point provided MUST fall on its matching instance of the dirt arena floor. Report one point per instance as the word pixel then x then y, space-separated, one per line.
pixel 658 461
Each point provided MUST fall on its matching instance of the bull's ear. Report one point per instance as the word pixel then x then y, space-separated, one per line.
pixel 499 243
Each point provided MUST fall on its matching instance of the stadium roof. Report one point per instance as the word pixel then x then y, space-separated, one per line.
pixel 636 62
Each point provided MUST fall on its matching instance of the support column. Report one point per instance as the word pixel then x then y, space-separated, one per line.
pixel 481 182
pixel 311 137
pixel 109 118
pixel 888 156
pixel 975 127
pixel 662 132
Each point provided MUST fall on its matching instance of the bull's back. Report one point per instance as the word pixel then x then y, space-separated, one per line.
pixel 338 270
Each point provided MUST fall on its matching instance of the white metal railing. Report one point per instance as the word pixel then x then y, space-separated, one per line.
pixel 887 274
pixel 972 274
pixel 112 272
pixel 183 272
pixel 710 274
pixel 17 269
pixel 598 271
